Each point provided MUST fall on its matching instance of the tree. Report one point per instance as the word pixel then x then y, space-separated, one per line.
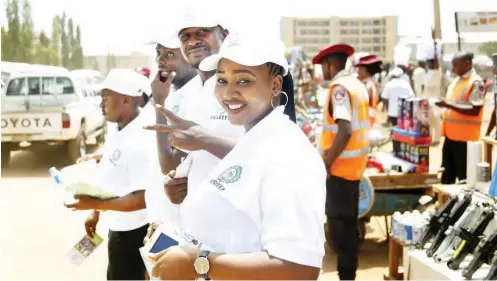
pixel 55 42
pixel 77 50
pixel 43 53
pixel 27 33
pixel 13 33
pixel 71 40
pixel 5 45
pixel 488 48
pixel 65 50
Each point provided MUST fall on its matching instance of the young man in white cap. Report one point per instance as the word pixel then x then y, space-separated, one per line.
pixel 125 170
pixel 169 94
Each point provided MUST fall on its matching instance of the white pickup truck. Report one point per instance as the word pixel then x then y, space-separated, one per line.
pixel 49 108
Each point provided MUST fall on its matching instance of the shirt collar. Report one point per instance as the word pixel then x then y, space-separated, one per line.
pixel 340 74
pixel 468 74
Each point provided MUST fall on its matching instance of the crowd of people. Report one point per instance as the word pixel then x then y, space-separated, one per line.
pixel 257 192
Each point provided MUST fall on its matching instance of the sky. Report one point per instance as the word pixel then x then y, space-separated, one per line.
pixel 124 26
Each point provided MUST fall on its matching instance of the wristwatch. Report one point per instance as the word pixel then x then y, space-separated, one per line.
pixel 202 265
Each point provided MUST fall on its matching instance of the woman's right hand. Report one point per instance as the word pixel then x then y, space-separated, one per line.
pixel 176 189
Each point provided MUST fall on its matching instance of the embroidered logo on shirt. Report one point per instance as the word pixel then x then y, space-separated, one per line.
pixel 230 175
pixel 116 155
pixel 339 95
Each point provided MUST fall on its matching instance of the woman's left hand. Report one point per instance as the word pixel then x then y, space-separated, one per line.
pixel 175 263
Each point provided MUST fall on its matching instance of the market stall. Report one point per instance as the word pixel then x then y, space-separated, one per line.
pixel 458 242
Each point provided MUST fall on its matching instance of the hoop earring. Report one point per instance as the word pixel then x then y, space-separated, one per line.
pixel 281 93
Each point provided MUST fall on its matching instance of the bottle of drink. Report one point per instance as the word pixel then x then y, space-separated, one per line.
pixel 395 224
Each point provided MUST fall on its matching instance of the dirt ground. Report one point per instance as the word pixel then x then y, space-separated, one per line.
pixel 37 231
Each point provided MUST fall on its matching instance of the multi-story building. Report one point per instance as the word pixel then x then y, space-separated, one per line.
pixel 372 35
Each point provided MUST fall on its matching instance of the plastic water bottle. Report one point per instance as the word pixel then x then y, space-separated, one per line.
pixel 395 224
pixel 55 176
pixel 407 224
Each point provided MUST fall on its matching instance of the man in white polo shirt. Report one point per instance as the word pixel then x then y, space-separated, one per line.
pixel 126 170
pixel 201 36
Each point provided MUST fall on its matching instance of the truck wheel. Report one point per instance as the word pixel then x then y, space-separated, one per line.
pixel 6 149
pixel 76 148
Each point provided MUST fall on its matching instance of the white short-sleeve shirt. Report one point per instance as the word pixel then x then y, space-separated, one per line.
pixel 201 106
pixel 394 89
pixel 159 208
pixel 267 194
pixel 127 165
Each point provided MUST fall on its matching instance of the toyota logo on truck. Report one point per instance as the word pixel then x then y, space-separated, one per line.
pixel 26 122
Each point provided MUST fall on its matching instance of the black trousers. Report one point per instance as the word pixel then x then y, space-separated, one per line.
pixel 125 261
pixel 342 202
pixel 454 161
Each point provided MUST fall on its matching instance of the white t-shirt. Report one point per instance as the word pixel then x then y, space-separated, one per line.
pixel 395 88
pixel 267 194
pixel 128 164
pixel 202 107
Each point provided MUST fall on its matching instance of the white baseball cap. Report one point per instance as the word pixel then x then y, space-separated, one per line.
pixel 165 38
pixel 127 82
pixel 250 50
pixel 194 18
pixel 396 72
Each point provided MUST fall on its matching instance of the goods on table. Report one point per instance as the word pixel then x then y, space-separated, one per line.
pixel 462 234
pixel 411 138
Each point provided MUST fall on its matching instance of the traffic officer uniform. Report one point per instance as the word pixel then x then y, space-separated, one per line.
pixel 347 100
pixel 371 86
pixel 459 128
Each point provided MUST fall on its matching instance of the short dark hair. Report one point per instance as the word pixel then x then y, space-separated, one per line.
pixel 464 56
pixel 373 68
pixel 287 87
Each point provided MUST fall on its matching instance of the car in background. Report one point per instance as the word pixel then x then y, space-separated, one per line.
pixel 49 108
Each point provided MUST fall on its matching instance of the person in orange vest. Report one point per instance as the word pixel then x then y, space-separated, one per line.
pixel 368 67
pixel 462 116
pixel 344 146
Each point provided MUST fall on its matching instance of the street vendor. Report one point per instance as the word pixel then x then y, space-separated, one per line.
pixel 462 116
pixel 344 147
pixel 368 67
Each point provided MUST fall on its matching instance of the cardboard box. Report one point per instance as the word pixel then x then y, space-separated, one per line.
pixel 421 115
pixel 408 115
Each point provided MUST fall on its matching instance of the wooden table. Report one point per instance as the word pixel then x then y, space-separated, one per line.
pixel 395 252
pixel 488 145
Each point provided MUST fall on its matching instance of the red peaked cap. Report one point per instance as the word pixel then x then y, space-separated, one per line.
pixel 367 60
pixel 338 48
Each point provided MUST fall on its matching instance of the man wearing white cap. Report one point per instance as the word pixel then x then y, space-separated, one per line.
pixel 125 170
pixel 394 89
pixel 169 94
pixel 201 36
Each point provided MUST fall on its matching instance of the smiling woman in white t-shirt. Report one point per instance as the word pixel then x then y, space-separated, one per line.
pixel 261 209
